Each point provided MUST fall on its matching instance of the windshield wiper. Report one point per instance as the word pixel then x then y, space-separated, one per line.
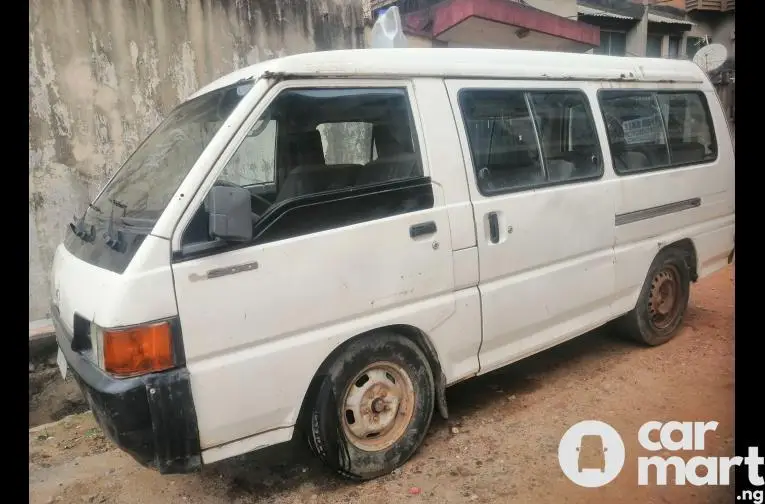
pixel 81 230
pixel 113 238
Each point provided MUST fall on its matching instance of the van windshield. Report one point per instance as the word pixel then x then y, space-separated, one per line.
pixel 137 195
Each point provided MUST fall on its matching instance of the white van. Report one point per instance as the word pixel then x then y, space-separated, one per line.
pixel 323 243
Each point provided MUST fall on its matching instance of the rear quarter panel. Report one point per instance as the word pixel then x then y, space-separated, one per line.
pixel 709 225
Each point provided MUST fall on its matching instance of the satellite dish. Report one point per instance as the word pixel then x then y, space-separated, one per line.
pixel 711 57
pixel 388 30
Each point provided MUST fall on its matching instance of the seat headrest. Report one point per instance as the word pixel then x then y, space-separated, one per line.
pixel 615 129
pixel 615 133
pixel 305 148
pixel 392 141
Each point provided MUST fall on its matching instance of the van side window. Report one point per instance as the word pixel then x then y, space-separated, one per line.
pixel 567 134
pixel 689 130
pixel 649 130
pixel 325 158
pixel 520 140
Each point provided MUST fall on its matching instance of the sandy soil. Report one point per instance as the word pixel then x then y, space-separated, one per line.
pixel 499 446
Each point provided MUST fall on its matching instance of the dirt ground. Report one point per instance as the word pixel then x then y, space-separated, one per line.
pixel 50 397
pixel 500 444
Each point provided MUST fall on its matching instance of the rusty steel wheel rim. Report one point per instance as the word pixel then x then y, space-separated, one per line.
pixel 377 406
pixel 664 302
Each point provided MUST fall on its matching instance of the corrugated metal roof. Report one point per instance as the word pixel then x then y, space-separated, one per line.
pixel 591 11
pixel 656 18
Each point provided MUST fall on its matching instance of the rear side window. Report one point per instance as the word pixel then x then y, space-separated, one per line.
pixel 656 130
pixel 526 139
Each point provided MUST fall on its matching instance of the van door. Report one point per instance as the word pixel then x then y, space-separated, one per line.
pixel 544 213
pixel 346 241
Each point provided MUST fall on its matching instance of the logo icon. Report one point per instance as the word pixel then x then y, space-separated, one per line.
pixel 591 453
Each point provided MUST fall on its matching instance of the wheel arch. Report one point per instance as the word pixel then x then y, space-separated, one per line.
pixel 688 248
pixel 419 337
pixel 633 322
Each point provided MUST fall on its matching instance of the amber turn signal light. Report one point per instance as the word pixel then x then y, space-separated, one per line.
pixel 138 350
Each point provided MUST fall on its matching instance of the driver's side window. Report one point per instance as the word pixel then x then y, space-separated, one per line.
pixel 325 158
pixel 253 166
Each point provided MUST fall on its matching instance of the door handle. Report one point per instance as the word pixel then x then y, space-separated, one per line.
pixel 422 229
pixel 493 227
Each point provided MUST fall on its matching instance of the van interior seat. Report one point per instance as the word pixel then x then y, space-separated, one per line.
pixel 687 152
pixel 626 157
pixel 512 165
pixel 584 157
pixel 313 179
pixel 305 156
pixel 304 148
pixel 396 158
pixel 516 176
pixel 311 174
pixel 627 160
pixel 560 169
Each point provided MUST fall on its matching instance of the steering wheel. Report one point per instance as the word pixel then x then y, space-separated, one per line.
pixel 259 198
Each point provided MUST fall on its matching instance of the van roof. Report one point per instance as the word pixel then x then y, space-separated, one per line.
pixel 468 63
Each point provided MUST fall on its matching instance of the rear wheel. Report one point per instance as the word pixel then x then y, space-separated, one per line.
pixel 374 407
pixel 663 300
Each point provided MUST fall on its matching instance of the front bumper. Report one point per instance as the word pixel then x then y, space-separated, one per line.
pixel 151 417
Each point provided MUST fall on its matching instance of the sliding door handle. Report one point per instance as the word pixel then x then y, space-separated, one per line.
pixel 422 229
pixel 493 227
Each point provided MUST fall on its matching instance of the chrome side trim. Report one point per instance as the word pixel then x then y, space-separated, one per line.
pixel 657 211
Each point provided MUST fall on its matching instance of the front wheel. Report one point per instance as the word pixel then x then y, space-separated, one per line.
pixel 662 302
pixel 373 408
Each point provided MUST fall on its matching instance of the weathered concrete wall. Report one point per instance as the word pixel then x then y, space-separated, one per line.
pixel 103 73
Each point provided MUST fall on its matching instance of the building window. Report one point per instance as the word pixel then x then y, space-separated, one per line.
pixel 674 47
pixel 653 46
pixel 612 43
pixel 647 130
pixel 692 45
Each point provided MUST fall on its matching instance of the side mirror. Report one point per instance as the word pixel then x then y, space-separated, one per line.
pixel 230 213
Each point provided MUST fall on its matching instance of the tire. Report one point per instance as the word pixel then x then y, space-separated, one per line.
pixel 384 376
pixel 654 322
